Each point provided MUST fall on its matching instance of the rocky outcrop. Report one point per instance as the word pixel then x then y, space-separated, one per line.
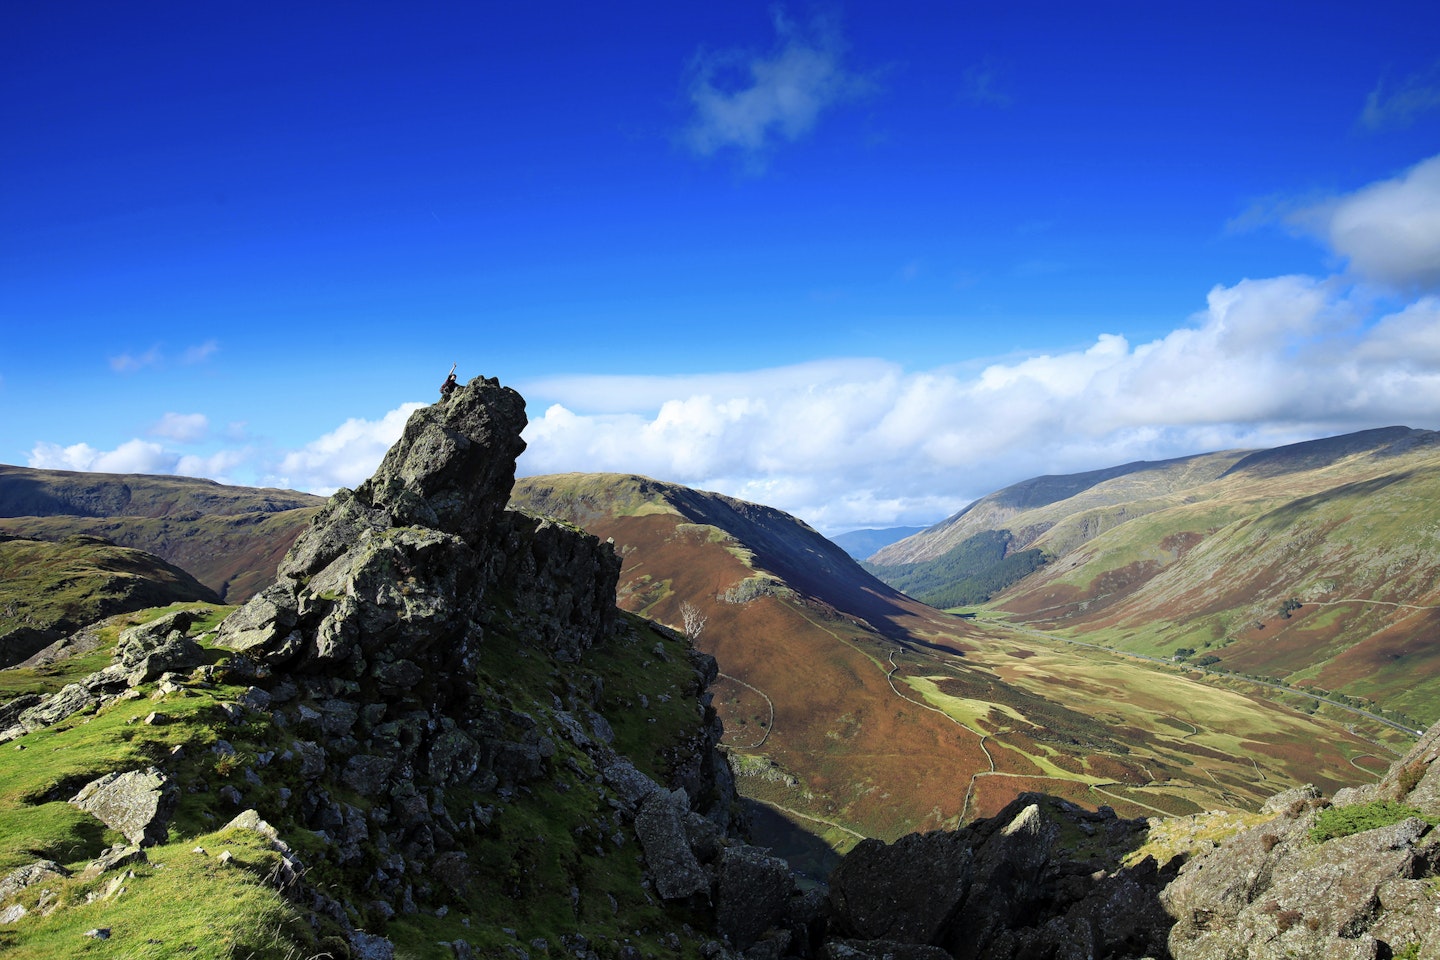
pixel 136 803
pixel 388 585
pixel 1288 888
pixel 366 650
pixel 1040 879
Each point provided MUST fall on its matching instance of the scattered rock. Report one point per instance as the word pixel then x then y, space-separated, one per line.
pixel 29 875
pixel 117 856
pixel 137 803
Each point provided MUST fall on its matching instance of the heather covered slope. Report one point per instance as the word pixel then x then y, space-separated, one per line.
pixel 860 711
pixel 801 634
pixel 228 538
pixel 786 549
pixel 1313 564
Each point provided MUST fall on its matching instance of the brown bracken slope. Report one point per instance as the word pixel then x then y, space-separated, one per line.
pixel 859 711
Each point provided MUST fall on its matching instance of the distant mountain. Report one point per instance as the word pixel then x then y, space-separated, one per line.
pixel 857 710
pixel 48 590
pixel 1315 563
pixel 861 543
pixel 228 538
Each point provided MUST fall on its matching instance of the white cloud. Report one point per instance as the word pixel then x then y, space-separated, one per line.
pixel 200 352
pixel 181 427
pixel 129 362
pixel 751 102
pixel 132 456
pixel 218 466
pixel 344 457
pixel 856 443
pixel 1389 231
pixel 1398 107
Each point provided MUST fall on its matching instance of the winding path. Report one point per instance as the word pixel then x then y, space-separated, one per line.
pixel 805 816
pixel 768 727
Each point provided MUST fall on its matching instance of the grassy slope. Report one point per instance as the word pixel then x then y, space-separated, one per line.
pixel 1031 507
pixel 179 904
pixel 1351 539
pixel 876 727
pixel 229 538
pixel 1201 553
pixel 50 589
pixel 546 845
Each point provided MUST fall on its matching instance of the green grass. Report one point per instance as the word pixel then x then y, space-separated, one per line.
pixel 577 496
pixel 1335 822
pixel 180 904
pixel 61 586
pixel 48 679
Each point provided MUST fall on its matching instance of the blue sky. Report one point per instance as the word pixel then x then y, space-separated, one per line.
pixel 863 262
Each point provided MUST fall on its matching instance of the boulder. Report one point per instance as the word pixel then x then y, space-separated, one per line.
pixel 136 803
pixel 161 646
pixel 660 828
pixel 119 855
pixel 906 891
pixel 1297 899
pixel 632 785
pixel 367 775
pixel 752 895
pixel 29 875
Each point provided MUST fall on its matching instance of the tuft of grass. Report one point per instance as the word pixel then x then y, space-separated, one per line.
pixel 1335 822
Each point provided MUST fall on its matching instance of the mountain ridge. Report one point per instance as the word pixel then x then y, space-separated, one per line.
pixel 819 687
pixel 229 538
pixel 1307 564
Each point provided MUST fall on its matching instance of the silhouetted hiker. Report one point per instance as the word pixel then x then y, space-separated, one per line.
pixel 448 387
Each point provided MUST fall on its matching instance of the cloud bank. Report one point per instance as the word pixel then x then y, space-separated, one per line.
pixel 846 443
pixel 859 443
pixel 1389 231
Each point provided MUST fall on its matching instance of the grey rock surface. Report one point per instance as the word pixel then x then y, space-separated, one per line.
pixel 752 895
pixel 136 803
pixel 673 866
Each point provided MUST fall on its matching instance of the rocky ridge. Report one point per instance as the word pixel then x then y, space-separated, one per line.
pixel 438 721
pixel 370 640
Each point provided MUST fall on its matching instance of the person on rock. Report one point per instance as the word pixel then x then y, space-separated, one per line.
pixel 448 387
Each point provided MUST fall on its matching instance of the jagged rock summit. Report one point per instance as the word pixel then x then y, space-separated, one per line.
pixel 383 586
